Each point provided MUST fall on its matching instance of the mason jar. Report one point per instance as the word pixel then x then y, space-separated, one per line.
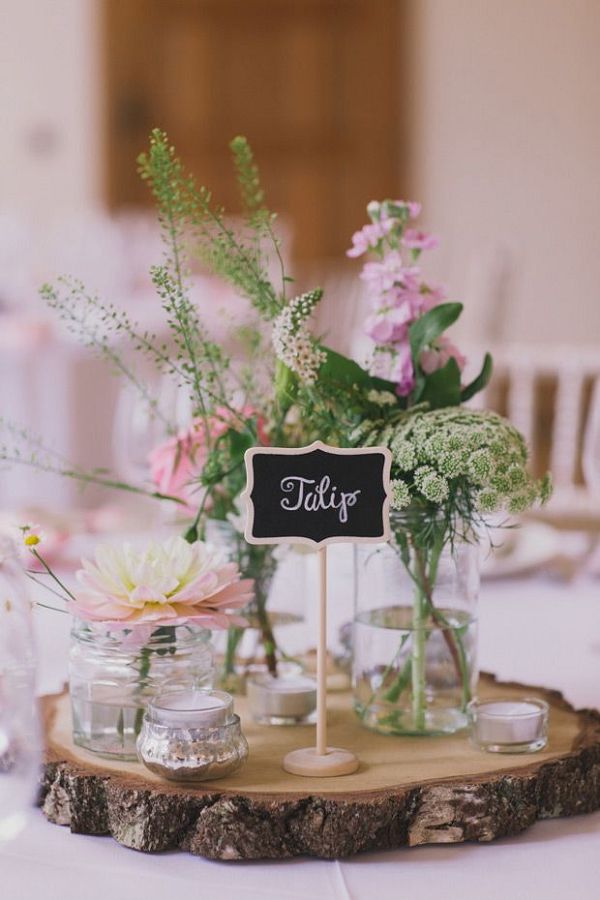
pixel 114 673
pixel 415 633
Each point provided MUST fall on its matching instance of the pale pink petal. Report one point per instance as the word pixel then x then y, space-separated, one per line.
pixel 146 594
pixel 233 596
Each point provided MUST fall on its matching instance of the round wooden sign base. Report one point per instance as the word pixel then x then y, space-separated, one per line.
pixel 308 762
pixel 406 791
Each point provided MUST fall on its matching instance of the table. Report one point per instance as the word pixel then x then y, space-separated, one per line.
pixel 535 630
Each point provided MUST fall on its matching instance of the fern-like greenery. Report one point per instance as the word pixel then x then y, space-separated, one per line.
pixel 187 216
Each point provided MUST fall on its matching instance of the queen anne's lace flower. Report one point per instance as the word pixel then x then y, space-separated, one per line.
pixel 163 583
pixel 400 494
pixel 403 454
pixel 444 455
pixel 432 485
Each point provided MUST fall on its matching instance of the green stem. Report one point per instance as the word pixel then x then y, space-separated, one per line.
pixel 266 630
pixel 398 686
pixel 451 635
pixel 54 577
pixel 143 671
pixel 419 636
pixel 234 636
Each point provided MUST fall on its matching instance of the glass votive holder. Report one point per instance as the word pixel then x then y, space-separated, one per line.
pixel 509 725
pixel 192 736
pixel 286 700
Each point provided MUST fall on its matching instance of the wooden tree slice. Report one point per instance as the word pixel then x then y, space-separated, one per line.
pixel 407 791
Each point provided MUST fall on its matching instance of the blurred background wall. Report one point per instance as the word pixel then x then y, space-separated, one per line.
pixel 494 123
pixel 51 99
pixel 488 111
pixel 505 141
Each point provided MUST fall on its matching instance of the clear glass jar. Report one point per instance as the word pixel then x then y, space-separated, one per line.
pixel 114 673
pixel 275 629
pixel 415 633
pixel 19 730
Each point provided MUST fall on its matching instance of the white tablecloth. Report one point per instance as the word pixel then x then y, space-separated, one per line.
pixel 536 631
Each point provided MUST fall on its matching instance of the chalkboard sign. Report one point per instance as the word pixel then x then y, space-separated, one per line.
pixel 317 495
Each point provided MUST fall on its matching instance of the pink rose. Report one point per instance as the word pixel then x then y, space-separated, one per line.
pixel 178 462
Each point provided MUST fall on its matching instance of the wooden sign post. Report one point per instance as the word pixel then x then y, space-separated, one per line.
pixel 318 495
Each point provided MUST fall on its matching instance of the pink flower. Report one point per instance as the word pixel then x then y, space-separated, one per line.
pixel 418 240
pixel 389 325
pixel 402 373
pixel 168 583
pixel 383 275
pixel 369 236
pixel 438 355
pixel 412 206
pixel 178 462
pixel 433 294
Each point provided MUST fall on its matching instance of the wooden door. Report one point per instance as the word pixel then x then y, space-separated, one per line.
pixel 313 84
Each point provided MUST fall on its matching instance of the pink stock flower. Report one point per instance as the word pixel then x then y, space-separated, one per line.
pixel 164 583
pixel 369 236
pixel 384 274
pixel 438 355
pixel 177 462
pixel 402 373
pixel 414 208
pixel 389 325
pixel 434 294
pixel 393 362
pixel 414 239
pixel 398 295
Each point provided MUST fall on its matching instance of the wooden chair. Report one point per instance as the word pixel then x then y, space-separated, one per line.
pixel 552 395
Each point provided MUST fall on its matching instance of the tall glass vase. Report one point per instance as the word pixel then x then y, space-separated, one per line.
pixel 262 643
pixel 415 630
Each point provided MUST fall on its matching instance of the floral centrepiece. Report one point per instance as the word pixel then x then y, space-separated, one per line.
pixel 286 388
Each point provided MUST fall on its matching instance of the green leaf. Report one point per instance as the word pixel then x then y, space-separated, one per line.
pixel 344 371
pixel 430 325
pixel 442 387
pixel 480 382
pixel 286 385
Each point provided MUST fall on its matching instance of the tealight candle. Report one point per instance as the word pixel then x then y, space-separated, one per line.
pixel 509 726
pixel 192 736
pixel 287 700
pixel 191 709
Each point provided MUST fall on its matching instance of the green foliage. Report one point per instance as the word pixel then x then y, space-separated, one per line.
pixel 424 330
pixel 187 214
pixel 440 388
pixel 421 334
pixel 248 177
pixel 480 381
